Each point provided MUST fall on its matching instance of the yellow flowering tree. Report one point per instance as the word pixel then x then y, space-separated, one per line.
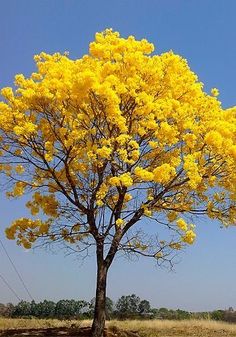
pixel 112 146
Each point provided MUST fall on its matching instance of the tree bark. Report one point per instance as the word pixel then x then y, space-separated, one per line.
pixel 100 303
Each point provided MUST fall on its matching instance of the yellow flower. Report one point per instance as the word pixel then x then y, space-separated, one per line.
pixel 104 152
pixel 172 216
pixel 215 92
pixel 143 174
pixel 114 181
pixel 19 189
pixel 127 197
pixel 159 255
pixel 190 139
pixel 214 138
pixel 99 203
pixel 163 173
pixel 232 151
pixel 189 237
pixel 126 179
pixel 19 169
pixel 119 222
pixel 147 212
pixel 182 224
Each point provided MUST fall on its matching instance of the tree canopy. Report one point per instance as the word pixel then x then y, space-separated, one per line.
pixel 115 136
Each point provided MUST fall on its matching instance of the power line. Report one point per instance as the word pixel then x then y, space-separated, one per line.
pixel 9 287
pixel 17 272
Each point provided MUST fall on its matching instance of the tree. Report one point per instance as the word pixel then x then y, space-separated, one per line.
pixel 144 307
pixel 128 304
pixel 69 308
pixel 34 309
pixel 163 313
pixel 22 309
pixel 182 314
pixel 131 304
pixel 109 307
pixel 217 315
pixel 45 309
pixel 112 144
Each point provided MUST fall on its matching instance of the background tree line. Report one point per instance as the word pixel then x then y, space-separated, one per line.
pixel 127 307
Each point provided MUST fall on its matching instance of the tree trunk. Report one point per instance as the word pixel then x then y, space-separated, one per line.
pixel 100 304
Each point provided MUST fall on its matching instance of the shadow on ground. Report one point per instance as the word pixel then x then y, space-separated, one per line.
pixel 57 332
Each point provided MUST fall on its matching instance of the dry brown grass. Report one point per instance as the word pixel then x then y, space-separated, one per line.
pixel 166 328
pixel 145 328
pixel 34 323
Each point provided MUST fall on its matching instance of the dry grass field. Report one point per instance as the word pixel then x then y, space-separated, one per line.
pixel 18 323
pixel 166 328
pixel 144 328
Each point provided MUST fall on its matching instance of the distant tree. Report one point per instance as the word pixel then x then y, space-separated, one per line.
pixel 65 309
pixel 105 145
pixel 22 309
pixel 217 315
pixel 155 312
pixel 128 304
pixel 164 313
pixel 109 307
pixel 182 314
pixel 81 306
pixel 69 308
pixel 144 307
pixel 46 309
pixel 34 309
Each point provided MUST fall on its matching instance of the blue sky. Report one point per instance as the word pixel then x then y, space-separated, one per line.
pixel 204 32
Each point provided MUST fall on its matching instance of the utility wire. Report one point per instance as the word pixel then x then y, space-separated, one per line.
pixel 17 272
pixel 9 287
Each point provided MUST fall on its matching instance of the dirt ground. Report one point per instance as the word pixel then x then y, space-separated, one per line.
pixel 115 332
pixel 79 332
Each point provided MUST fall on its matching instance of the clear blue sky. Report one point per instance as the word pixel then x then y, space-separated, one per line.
pixel 204 32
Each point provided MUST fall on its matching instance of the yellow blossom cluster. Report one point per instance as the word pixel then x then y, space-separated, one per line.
pixel 171 216
pixel 143 174
pixel 124 179
pixel 119 222
pixel 47 203
pixel 18 189
pixel 119 124
pixel 182 224
pixel 20 169
pixel 192 170
pixel 27 231
pixel 189 234
pixel 163 173
pixel 101 194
